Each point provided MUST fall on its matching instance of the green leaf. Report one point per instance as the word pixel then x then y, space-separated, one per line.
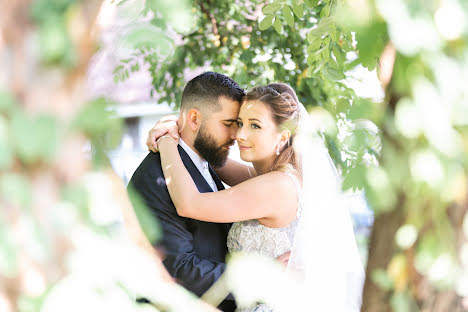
pixel 6 155
pixel 34 139
pixel 78 196
pixel 148 222
pixel 7 102
pixel 370 43
pixel 362 109
pixel 325 26
pixel 298 9
pixel 278 26
pixel 288 16
pixel 147 36
pixel 314 44
pixel 54 41
pixel 339 55
pixel 381 278
pixel 271 8
pixel 356 178
pixel 266 22
pixel 311 3
pixel 342 105
pixel 333 73
pixel 8 253
pixel 16 189
pixel 94 118
pixel 403 302
pixel 325 11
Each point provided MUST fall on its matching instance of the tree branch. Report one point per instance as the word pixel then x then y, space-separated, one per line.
pixel 214 23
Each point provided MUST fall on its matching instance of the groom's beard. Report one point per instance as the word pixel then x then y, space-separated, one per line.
pixel 205 144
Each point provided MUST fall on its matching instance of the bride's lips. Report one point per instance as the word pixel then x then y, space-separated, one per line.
pixel 243 148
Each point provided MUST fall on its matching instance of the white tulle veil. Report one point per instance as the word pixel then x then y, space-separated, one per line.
pixel 324 254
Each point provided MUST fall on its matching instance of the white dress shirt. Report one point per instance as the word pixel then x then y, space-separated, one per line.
pixel 200 163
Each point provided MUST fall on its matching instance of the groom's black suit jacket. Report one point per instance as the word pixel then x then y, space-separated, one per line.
pixel 195 250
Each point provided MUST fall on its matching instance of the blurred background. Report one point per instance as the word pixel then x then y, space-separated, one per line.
pixel 83 82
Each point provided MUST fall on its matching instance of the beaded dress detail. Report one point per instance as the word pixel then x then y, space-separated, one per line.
pixel 252 237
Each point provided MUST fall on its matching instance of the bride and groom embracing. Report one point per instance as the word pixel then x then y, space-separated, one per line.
pixel 288 201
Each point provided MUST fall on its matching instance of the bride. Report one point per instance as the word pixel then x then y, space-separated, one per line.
pixel 289 201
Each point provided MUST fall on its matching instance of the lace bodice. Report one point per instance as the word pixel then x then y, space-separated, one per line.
pixel 252 237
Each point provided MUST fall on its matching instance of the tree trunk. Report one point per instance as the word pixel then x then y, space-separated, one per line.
pixel 381 250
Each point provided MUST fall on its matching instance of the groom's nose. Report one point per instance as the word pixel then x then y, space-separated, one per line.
pixel 233 133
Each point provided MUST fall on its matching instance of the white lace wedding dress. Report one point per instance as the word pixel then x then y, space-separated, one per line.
pixel 252 237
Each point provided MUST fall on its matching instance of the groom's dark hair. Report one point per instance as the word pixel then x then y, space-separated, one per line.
pixel 204 91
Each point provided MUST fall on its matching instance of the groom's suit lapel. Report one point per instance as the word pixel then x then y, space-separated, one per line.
pixel 200 182
pixel 220 187
pixel 216 179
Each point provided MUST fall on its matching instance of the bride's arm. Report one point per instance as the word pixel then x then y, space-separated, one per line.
pixel 267 197
pixel 232 173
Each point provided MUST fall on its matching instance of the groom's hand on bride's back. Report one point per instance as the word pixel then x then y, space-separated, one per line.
pixel 284 258
pixel 165 126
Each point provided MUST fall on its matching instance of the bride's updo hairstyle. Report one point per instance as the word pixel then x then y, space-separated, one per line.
pixel 282 101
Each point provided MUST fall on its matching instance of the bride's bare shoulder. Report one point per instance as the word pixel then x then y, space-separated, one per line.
pixel 276 180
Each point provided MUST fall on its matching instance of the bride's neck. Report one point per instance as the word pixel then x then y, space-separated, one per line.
pixel 262 166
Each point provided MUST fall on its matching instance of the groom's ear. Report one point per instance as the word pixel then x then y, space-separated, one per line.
pixel 194 119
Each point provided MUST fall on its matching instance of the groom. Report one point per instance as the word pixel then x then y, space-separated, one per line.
pixel 195 251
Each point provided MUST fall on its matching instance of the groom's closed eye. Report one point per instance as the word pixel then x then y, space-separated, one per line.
pixel 229 123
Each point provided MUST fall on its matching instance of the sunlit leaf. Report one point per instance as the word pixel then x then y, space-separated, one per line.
pixel 6 155
pixel 381 278
pixel 333 73
pixel 16 189
pixel 177 13
pixel 325 11
pixel 34 138
pixel 266 22
pixel 55 44
pixel 78 196
pixel 271 8
pixel 7 102
pixel 288 16
pixel 277 25
pixel 356 178
pixel 402 301
pixel 311 3
pixel 362 109
pixel 149 37
pixel 298 9
pixel 8 253
pixel 370 43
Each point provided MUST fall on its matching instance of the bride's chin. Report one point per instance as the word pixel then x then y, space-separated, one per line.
pixel 245 157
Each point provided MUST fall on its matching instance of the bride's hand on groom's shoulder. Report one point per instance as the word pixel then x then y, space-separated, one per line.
pixel 165 126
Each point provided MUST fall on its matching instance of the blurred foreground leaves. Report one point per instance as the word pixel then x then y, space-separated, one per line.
pixel 62 241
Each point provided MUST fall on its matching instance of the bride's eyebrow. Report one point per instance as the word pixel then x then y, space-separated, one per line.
pixel 255 119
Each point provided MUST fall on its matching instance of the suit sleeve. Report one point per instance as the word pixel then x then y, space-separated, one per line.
pixel 194 273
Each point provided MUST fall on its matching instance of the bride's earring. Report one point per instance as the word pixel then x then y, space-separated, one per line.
pixel 277 150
